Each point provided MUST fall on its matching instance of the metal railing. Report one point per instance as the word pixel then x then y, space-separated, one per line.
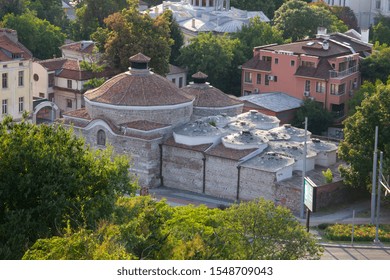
pixel 341 74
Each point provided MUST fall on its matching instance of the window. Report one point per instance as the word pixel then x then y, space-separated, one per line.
pixel 332 89
pixel 248 77
pixel 308 64
pixel 41 95
pixel 174 80
pixel 266 81
pixel 276 60
pixel 21 78
pixel 36 77
pixel 292 62
pixel 275 78
pixel 5 80
pixel 341 89
pixel 320 87
pixel 378 4
pixel 69 103
pixel 69 83
pixel 4 104
pixel 342 66
pixel 101 138
pixel 258 79
pixel 51 80
pixel 307 85
pixel 267 58
pixel 180 82
pixel 21 104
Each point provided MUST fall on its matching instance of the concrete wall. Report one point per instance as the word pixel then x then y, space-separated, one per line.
pixel 42 85
pixel 61 99
pixel 182 169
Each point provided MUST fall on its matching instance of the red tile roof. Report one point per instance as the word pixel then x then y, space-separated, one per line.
pixel 221 151
pixel 256 63
pixel 147 89
pixel 320 72
pixel 53 64
pixel 79 113
pixel 82 47
pixel 198 148
pixel 6 44
pixel 139 58
pixel 144 125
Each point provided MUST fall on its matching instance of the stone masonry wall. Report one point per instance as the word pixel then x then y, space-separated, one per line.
pixel 256 183
pixel 232 112
pixel 182 169
pixel 221 177
pixel 176 116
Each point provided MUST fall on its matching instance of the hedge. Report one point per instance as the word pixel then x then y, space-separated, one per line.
pixel 343 232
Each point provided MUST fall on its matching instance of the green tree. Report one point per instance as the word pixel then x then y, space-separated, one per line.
pixel 377 66
pixel 268 7
pixel 296 19
pixel 347 15
pixel 258 230
pixel 359 136
pixel 176 35
pixel 381 31
pixel 49 179
pixel 130 32
pixel 39 36
pixel 257 33
pixel 16 7
pixel 318 118
pixel 216 56
pixel 367 89
pixel 51 10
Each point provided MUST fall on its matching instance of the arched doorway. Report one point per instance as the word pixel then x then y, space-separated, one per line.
pixel 45 112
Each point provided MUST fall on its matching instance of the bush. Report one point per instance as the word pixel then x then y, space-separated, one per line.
pixel 339 232
pixel 328 175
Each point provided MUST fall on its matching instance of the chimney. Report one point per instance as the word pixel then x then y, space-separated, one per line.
pixel 365 34
pixel 325 45
pixel 321 31
pixel 10 33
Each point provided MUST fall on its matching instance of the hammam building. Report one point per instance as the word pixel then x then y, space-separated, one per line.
pixel 196 138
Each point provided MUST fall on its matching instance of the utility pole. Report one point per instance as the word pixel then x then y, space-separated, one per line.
pixel 375 162
pixel 378 202
pixel 304 174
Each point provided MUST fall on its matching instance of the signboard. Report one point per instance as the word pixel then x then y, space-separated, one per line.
pixel 310 192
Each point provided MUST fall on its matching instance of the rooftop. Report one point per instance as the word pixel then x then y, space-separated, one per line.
pixel 273 101
pixel 270 161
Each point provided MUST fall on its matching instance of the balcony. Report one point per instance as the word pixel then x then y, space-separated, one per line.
pixel 341 74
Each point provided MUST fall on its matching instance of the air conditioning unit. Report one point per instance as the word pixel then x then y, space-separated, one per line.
pixel 311 98
pixel 270 78
pixel 256 90
pixel 306 93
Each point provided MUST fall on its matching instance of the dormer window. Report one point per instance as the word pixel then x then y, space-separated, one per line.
pixel 16 55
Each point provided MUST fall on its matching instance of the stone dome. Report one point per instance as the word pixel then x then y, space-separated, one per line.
pixel 139 94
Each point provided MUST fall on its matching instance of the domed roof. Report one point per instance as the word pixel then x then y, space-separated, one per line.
pixel 138 87
pixel 208 96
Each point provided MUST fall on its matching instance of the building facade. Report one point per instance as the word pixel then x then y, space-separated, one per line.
pixel 324 69
pixel 15 71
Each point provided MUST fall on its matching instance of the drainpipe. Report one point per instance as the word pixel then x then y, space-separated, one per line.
pixel 204 173
pixel 161 165
pixel 238 182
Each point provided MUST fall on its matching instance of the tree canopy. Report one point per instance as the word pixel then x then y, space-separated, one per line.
pixel 128 33
pixel 142 228
pixel 296 19
pixel 318 118
pixel 49 180
pixel 257 33
pixel 268 7
pixel 39 36
pixel 216 56
pixel 377 65
pixel 359 136
pixel 381 31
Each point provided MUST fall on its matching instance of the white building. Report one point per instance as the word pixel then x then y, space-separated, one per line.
pixel 15 71
pixel 195 16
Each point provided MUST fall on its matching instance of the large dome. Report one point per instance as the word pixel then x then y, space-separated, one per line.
pixel 139 94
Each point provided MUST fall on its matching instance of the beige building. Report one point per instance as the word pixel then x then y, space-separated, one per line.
pixel 15 70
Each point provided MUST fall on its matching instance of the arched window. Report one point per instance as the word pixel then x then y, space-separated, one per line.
pixel 101 138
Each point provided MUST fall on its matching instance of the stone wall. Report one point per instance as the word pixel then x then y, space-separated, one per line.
pixel 182 169
pixel 174 116
pixel 221 177
pixel 144 155
pixel 200 112
pixel 256 183
pixel 332 194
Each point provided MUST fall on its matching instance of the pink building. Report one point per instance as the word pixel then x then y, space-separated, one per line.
pixel 324 69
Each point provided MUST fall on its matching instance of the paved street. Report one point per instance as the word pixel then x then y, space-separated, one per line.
pixel 355 253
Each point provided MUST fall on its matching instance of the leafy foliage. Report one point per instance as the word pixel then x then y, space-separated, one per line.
pixel 377 66
pixel 266 6
pixel 39 36
pixel 129 32
pixel 318 118
pixel 359 137
pixel 365 90
pixel 48 179
pixel 296 19
pixel 216 56
pixel 257 33
pixel 153 230
pixel 381 31
pixel 361 232
pixel 347 15
pixel 176 35
pixel 328 175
